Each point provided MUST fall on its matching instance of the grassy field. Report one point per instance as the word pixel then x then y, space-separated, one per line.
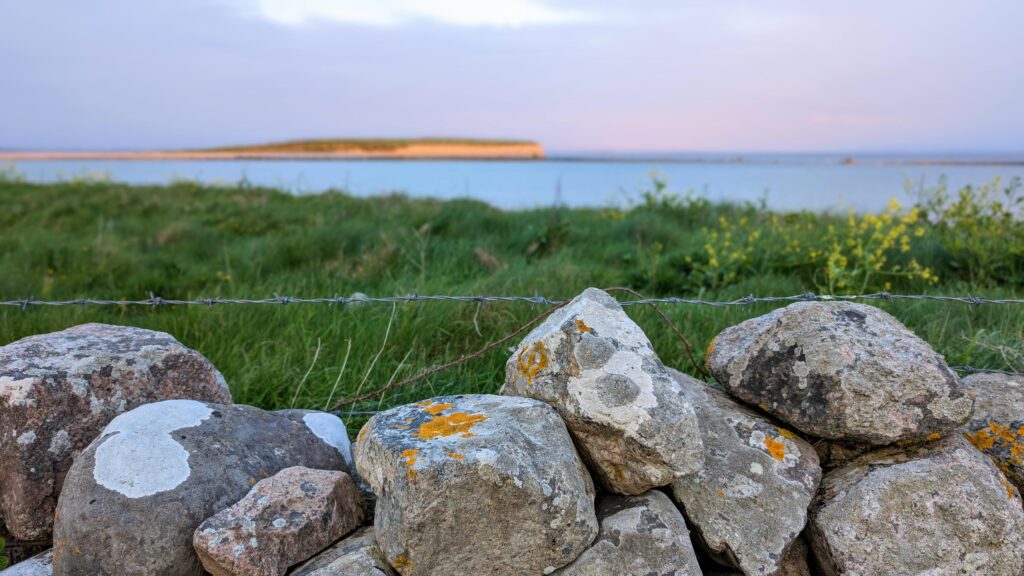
pixel 80 239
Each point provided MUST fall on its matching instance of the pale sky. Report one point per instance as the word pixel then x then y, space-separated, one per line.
pixel 642 75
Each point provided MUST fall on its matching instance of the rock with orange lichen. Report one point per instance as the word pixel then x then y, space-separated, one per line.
pixel 640 536
pixel 840 371
pixel 997 426
pixel 476 484
pixel 941 507
pixel 597 368
pixel 749 503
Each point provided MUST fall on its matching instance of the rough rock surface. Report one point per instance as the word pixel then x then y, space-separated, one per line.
pixel 841 371
pixel 997 426
pixel 598 369
pixel 639 536
pixel 749 503
pixel 356 555
pixel 941 508
pixel 476 484
pixel 58 390
pixel 39 565
pixel 134 497
pixel 283 520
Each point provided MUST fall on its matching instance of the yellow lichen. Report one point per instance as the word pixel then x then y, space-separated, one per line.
pixel 447 425
pixel 437 408
pixel 775 448
pixel 996 434
pixel 787 433
pixel 1008 487
pixel 401 563
pixel 532 360
pixel 933 436
pixel 583 328
pixel 362 432
pixel 410 458
pixel 709 351
pixel 456 456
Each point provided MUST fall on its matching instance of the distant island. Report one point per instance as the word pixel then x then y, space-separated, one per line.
pixel 415 148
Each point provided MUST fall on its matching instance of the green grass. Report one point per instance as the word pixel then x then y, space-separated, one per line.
pixel 361 145
pixel 80 239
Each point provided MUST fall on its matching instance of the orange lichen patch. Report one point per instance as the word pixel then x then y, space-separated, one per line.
pixel 775 448
pixel 787 433
pixel 532 360
pixel 583 328
pixel 721 493
pixel 466 435
pixel 402 563
pixel 933 436
pixel 1008 487
pixel 456 456
pixel 410 459
pixel 710 349
pixel 995 434
pixel 425 403
pixel 400 427
pixel 449 424
pixel 437 408
pixel 362 432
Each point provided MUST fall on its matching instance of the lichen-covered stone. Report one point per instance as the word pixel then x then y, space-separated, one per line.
pixel 283 520
pixel 938 508
pixel 997 426
pixel 58 390
pixel 841 371
pixel 355 555
pixel 639 536
pixel 598 369
pixel 134 497
pixel 476 484
pixel 749 503
pixel 39 565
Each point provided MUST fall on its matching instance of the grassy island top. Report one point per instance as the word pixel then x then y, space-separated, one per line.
pixel 366 145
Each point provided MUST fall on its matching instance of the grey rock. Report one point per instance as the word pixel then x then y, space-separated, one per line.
pixel 840 371
pixel 639 536
pixel 58 390
pixel 39 565
pixel 476 484
pixel 997 426
pixel 598 369
pixel 936 508
pixel 282 521
pixel 355 555
pixel 749 503
pixel 134 497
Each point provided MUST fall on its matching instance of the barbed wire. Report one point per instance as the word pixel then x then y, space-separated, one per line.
pixel 157 301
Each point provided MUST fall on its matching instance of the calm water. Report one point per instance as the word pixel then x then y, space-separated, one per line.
pixel 814 182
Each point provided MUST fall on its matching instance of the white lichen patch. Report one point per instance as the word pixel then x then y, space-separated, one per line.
pixel 17 392
pixel 331 430
pixel 142 458
pixel 628 417
pixel 27 439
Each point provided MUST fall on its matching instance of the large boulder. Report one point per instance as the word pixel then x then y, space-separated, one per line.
pixel 476 484
pixel 997 425
pixel 39 565
pixel 354 555
pixel 57 391
pixel 598 369
pixel 134 497
pixel 640 536
pixel 937 508
pixel 840 371
pixel 749 503
pixel 282 521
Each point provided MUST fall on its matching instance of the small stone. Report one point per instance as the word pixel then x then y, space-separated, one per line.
pixel 134 497
pixel 39 565
pixel 58 390
pixel 997 426
pixel 594 365
pixel 291 516
pixel 356 555
pixel 937 508
pixel 476 484
pixel 639 536
pixel 840 371
pixel 749 503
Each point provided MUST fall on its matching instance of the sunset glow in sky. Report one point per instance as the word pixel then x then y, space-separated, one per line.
pixel 725 75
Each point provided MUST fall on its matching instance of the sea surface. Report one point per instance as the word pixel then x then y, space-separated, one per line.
pixel 784 182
